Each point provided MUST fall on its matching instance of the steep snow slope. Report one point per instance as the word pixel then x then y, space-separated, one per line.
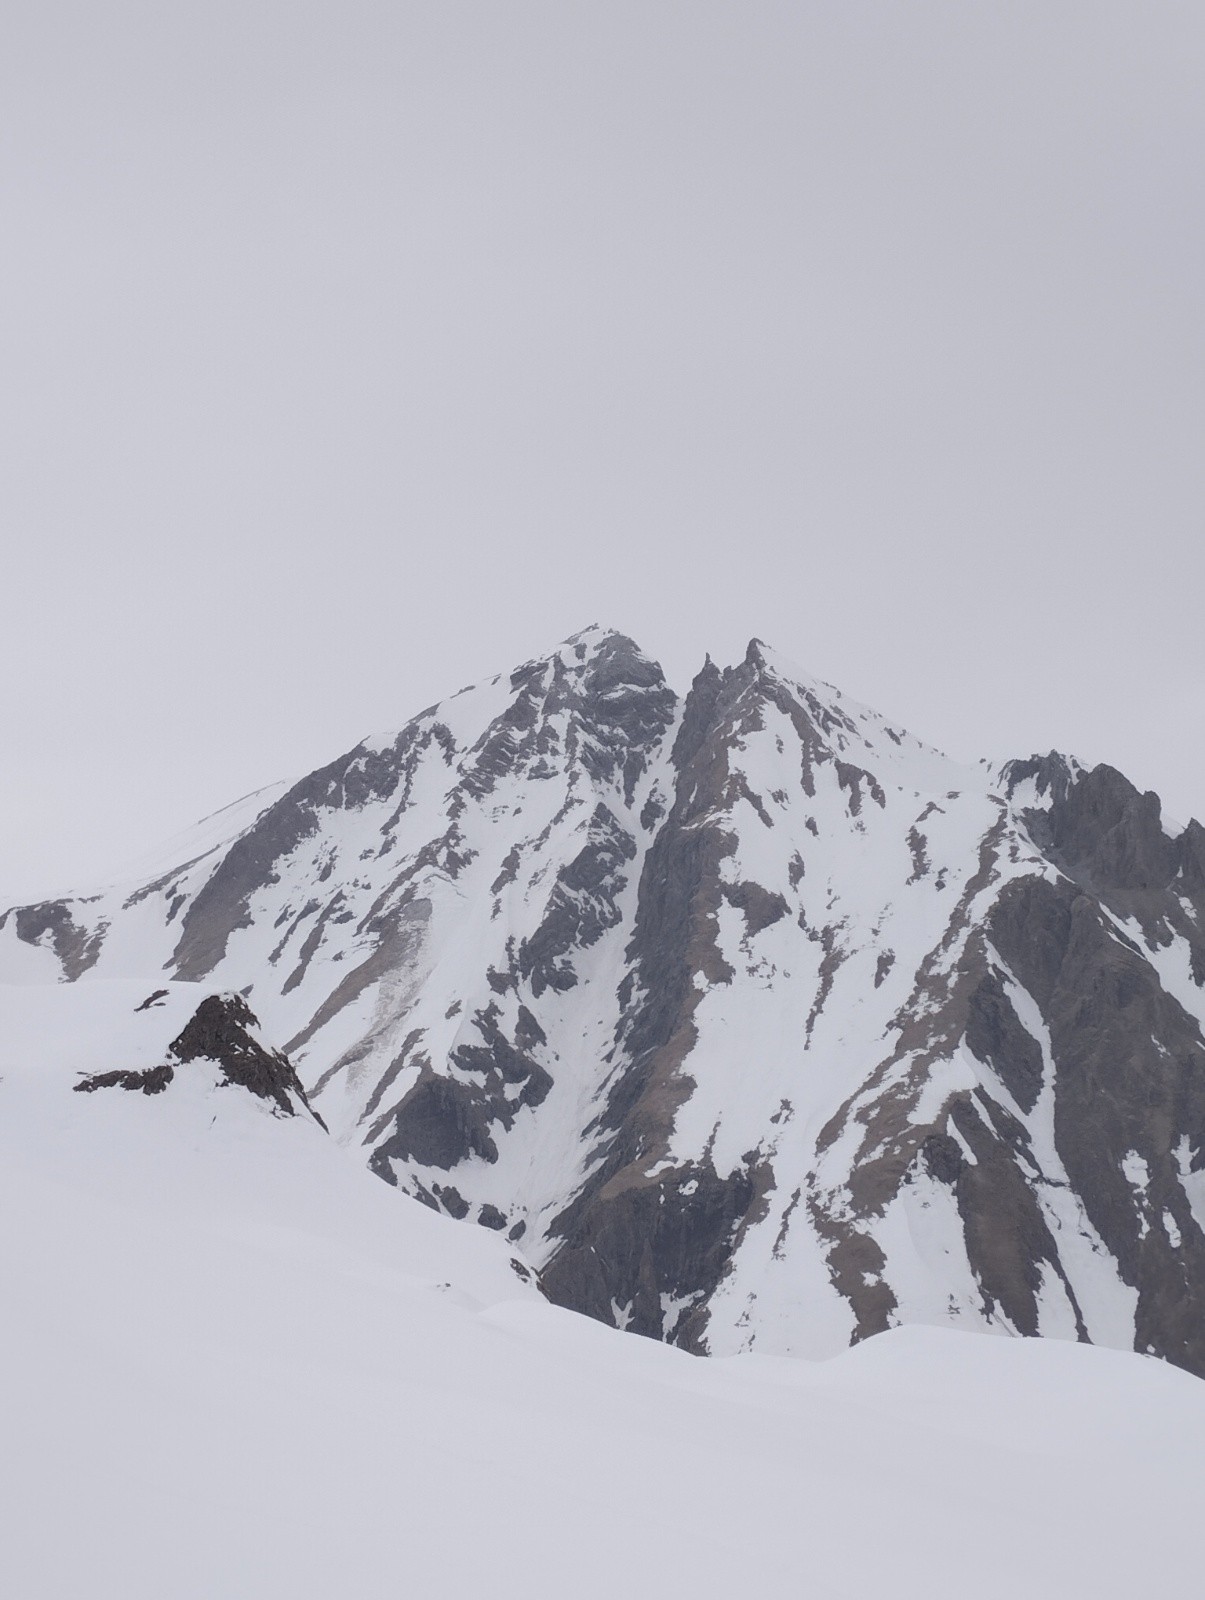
pixel 235 1364
pixel 759 1023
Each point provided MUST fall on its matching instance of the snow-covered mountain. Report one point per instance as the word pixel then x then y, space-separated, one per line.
pixel 235 1364
pixel 752 1021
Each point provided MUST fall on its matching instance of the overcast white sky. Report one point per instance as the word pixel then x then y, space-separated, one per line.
pixel 355 351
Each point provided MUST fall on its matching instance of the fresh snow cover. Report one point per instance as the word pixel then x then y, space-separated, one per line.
pixel 235 1364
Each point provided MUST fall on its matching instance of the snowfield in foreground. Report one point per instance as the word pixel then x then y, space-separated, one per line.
pixel 236 1366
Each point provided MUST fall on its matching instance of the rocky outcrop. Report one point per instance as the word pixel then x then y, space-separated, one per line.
pixel 219 1033
pixel 52 924
pixel 150 1080
pixel 648 1251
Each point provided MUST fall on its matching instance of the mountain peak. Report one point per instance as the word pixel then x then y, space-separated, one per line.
pixel 590 635
pixel 589 641
pixel 1037 777
pixel 845 724
pixel 763 658
pixel 584 655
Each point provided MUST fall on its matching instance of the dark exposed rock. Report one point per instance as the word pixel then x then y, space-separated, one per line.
pixel 830 963
pixel 943 1157
pixel 404 1057
pixel 1129 1083
pixel 680 887
pixel 651 812
pixel 610 711
pixel 698 714
pixel 918 844
pixel 158 885
pixel 528 1032
pixel 222 904
pixel 1190 855
pixel 447 1116
pixel 582 906
pixel 629 1238
pixel 855 1264
pixel 1108 836
pixel 219 1031
pixel 761 907
pixel 995 1035
pixel 883 1109
pixel 1052 776
pixel 1008 1238
pixel 643 1240
pixel 510 738
pixel 151 1080
pixel 490 1217
pixel 451 1199
pixel 439 1123
pixel 76 947
pixel 854 779
pixel 630 707
pixel 313 940
pixel 501 1062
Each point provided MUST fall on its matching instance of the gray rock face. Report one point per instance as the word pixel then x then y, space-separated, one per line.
pixel 759 1022
pixel 583 905
pixel 628 1252
pixel 441 1122
pixel 1129 1090
pixel 51 923
pixel 631 1238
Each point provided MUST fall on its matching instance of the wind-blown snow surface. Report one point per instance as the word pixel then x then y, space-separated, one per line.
pixel 235 1364
pixel 757 1023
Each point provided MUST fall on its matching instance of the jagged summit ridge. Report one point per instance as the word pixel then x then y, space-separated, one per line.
pixel 759 1021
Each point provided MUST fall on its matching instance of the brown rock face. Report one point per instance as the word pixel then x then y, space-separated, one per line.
pixel 219 1031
